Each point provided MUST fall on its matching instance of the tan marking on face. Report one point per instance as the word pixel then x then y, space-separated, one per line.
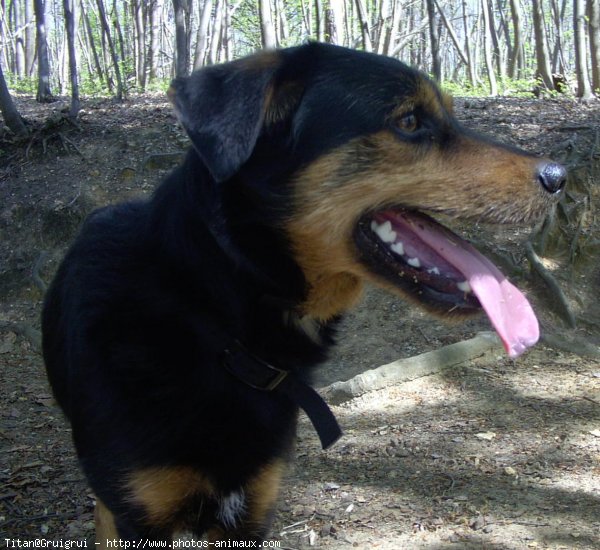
pixel 430 99
pixel 162 492
pixel 471 180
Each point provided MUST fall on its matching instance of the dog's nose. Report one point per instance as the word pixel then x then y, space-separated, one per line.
pixel 552 176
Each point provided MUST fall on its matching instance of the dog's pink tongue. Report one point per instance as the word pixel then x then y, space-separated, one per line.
pixel 508 310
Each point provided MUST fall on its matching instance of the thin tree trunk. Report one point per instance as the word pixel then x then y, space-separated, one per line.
pixel 69 9
pixel 436 63
pixel 267 28
pixel 92 45
pixel 44 95
pixel 29 38
pixel 139 8
pixel 111 48
pixel 337 28
pixel 594 19
pixel 544 72
pixel 153 46
pixel 516 62
pixel 11 116
pixel 452 34
pixel 117 26
pixel 181 42
pixel 306 17
pixel 283 27
pixel 468 52
pixel 19 41
pixel 501 9
pixel 363 21
pixel 215 41
pixel 584 90
pixel 202 35
pixel 487 47
pixel 227 41
pixel 496 52
pixel 319 20
pixel 392 30
pixel 557 54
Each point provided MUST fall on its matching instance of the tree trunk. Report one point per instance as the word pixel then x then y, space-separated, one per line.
pixel 111 48
pixel 153 47
pixel 470 58
pixel 487 48
pixel 92 46
pixel 452 34
pixel 436 63
pixel 496 52
pixel 29 38
pixel 215 41
pixel 44 95
pixel 283 26
pixel 11 116
pixel 393 29
pixel 181 41
pixel 201 49
pixel 544 72
pixel 501 9
pixel 267 29
pixel 69 9
pixel 594 19
pixel 138 9
pixel 319 20
pixel 19 41
pixel 558 65
pixel 516 62
pixel 584 90
pixel 337 27
pixel 117 26
pixel 363 22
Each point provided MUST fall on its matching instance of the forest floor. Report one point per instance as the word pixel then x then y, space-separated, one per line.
pixel 496 454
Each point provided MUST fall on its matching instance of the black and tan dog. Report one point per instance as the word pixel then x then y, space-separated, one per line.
pixel 180 331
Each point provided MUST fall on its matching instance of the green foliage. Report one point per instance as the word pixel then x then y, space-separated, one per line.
pixel 507 87
pixel 21 85
pixel 160 85
pixel 91 85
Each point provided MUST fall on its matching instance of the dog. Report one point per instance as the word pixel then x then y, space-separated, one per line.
pixel 179 332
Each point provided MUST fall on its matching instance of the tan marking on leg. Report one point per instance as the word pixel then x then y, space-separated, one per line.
pixel 105 525
pixel 262 492
pixel 162 492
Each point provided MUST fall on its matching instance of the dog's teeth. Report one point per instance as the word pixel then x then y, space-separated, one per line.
pixel 464 286
pixel 414 262
pixel 434 271
pixel 384 231
pixel 398 248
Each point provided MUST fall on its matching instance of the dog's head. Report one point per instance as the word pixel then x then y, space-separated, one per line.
pixel 363 148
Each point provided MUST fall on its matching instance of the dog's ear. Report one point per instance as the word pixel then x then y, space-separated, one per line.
pixel 222 109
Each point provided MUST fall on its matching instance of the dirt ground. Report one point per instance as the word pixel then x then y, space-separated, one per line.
pixel 496 454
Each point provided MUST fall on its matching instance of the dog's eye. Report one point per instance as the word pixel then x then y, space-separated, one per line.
pixel 408 122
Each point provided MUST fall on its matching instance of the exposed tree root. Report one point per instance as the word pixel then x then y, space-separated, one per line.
pixel 559 298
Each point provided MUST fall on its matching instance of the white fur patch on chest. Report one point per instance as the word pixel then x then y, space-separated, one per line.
pixel 231 507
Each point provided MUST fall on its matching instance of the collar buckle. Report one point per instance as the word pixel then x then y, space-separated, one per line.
pixel 252 370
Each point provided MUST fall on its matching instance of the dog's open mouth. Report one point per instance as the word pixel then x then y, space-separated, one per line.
pixel 444 272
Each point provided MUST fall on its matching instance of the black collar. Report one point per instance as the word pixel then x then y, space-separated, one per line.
pixel 260 375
